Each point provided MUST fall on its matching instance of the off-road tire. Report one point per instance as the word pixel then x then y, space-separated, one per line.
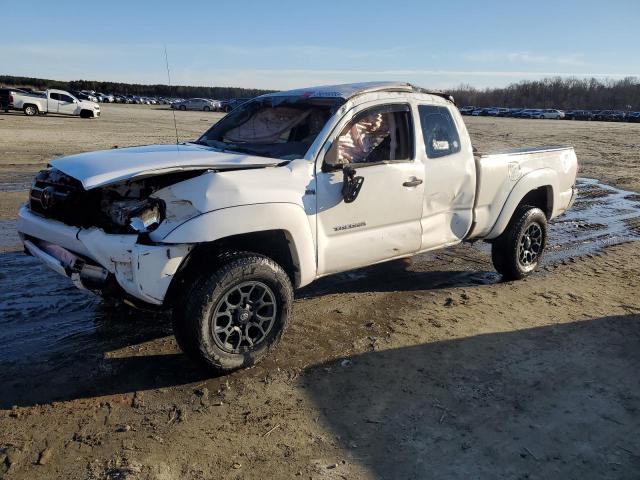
pixel 31 110
pixel 192 315
pixel 505 250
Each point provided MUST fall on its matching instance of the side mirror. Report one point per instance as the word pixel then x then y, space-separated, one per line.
pixel 351 184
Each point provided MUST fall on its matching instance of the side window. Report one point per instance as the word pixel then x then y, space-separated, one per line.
pixel 376 135
pixel 439 130
pixel 54 96
pixel 66 98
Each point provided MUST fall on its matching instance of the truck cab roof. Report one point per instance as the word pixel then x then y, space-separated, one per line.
pixel 346 91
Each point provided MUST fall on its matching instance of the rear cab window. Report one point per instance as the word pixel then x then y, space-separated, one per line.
pixel 441 137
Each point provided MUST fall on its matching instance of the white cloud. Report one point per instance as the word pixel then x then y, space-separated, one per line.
pixel 488 56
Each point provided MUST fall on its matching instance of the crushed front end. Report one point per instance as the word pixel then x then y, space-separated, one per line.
pixel 100 238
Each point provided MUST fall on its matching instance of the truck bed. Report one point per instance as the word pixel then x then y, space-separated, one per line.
pixel 552 169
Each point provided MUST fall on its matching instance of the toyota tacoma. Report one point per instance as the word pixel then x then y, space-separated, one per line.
pixel 287 188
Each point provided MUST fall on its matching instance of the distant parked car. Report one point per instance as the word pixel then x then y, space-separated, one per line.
pixel 479 112
pixel 54 101
pixel 104 97
pixel 577 115
pixel 551 113
pixel 202 104
pixel 506 112
pixel 86 95
pixel 228 105
pixel 610 116
pixel 529 113
pixel 633 117
pixel 467 110
pixel 498 112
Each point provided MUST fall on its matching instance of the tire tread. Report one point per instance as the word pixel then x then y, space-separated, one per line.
pixel 186 319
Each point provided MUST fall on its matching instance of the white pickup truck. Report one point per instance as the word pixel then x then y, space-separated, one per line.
pixel 287 188
pixel 53 101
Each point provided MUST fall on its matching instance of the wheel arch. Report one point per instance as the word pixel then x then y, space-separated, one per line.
pixel 280 231
pixel 274 244
pixel 29 104
pixel 537 189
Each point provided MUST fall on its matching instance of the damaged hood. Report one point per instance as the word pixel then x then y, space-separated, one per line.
pixel 96 169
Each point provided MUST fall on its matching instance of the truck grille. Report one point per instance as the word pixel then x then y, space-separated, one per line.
pixel 59 196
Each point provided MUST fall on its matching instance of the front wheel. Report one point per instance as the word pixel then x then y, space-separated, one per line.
pixel 232 318
pixel 207 109
pixel 517 252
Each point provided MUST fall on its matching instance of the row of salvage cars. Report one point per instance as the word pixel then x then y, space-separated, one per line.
pixel 552 113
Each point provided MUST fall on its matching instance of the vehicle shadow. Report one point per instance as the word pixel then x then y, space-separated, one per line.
pixel 20 113
pixel 430 271
pixel 561 401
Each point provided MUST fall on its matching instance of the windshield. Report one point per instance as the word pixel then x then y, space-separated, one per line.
pixel 276 127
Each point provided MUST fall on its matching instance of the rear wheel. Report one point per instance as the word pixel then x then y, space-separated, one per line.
pixel 518 251
pixel 30 110
pixel 233 317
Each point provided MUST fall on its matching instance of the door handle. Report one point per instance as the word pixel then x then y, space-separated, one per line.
pixel 414 182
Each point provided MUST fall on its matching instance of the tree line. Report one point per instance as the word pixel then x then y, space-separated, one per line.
pixel 556 92
pixel 118 88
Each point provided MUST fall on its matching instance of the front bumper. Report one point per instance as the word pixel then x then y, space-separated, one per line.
pixel 142 271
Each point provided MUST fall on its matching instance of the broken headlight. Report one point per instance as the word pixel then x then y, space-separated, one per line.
pixel 141 216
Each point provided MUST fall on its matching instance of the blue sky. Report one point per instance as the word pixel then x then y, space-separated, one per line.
pixel 289 44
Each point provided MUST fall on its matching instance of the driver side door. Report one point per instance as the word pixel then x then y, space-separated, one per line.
pixel 383 222
pixel 67 105
pixel 53 102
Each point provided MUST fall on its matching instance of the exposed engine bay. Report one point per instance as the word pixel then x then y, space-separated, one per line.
pixel 124 207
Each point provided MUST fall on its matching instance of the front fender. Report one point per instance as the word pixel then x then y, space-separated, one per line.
pixel 529 182
pixel 243 219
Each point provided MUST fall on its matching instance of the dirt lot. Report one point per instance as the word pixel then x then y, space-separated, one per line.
pixel 431 368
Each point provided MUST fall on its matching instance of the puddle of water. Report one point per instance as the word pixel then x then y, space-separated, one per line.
pixel 16 181
pixel 43 317
pixel 602 216
pixel 9 239
pixel 39 310
pixel 46 322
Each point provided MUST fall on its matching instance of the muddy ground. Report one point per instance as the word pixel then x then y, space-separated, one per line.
pixel 430 368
